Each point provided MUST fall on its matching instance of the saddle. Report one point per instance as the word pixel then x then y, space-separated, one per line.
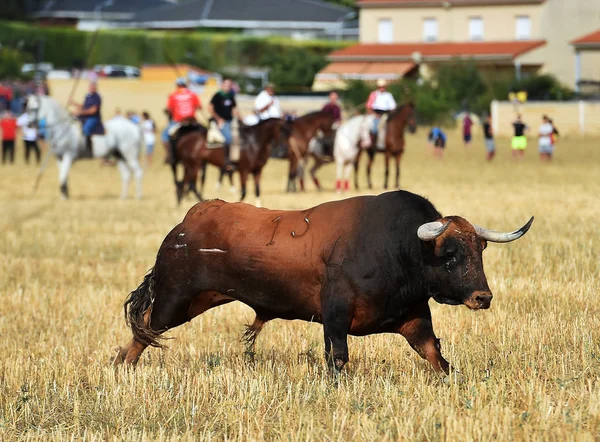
pixel 215 139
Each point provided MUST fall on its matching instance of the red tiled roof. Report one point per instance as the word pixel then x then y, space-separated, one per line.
pixel 593 39
pixel 365 70
pixel 440 3
pixel 405 51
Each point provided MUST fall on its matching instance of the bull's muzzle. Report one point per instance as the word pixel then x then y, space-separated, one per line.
pixel 479 300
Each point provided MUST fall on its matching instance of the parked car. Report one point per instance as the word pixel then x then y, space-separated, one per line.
pixel 29 68
pixel 116 70
pixel 58 74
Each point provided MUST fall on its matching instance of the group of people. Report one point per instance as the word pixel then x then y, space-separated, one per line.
pixel 547 137
pixel 10 127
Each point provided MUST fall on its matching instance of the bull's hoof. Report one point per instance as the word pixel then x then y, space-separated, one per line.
pixel 454 378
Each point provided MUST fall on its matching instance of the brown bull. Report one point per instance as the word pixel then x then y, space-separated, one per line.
pixel 359 266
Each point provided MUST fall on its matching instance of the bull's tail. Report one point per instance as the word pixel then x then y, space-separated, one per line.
pixel 138 308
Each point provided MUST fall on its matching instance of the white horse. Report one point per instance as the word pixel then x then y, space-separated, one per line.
pixel 66 140
pixel 352 136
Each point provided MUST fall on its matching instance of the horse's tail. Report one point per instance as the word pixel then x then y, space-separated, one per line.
pixel 138 308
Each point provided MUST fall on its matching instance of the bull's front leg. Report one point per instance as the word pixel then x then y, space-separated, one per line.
pixel 336 324
pixel 418 331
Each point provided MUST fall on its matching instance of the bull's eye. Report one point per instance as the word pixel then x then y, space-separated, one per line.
pixel 451 260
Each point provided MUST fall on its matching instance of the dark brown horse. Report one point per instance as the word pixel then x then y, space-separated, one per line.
pixel 193 153
pixel 302 130
pixel 397 121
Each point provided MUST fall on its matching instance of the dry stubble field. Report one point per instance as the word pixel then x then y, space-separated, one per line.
pixel 531 363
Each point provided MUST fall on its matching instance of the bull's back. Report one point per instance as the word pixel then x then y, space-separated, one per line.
pixel 269 259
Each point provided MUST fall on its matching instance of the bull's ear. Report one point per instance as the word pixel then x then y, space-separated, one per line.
pixel 431 231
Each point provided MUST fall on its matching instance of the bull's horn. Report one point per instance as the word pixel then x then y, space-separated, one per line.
pixel 430 231
pixel 493 236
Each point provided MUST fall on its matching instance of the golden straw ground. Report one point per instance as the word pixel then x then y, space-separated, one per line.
pixel 531 363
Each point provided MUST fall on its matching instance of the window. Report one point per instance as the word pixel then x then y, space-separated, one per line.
pixel 475 28
pixel 523 27
pixel 430 29
pixel 386 31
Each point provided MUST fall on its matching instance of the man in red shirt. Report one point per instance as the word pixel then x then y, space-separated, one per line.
pixel 8 124
pixel 182 105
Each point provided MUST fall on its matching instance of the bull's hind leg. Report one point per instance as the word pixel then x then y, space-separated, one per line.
pixel 158 305
pixel 418 331
pixel 251 333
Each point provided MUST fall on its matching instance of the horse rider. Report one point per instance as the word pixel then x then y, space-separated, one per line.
pixel 90 115
pixel 223 109
pixel 182 104
pixel 267 104
pixel 333 107
pixel 380 102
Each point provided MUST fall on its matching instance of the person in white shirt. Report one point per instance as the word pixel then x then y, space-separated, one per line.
pixel 380 102
pixel 267 104
pixel 29 137
pixel 546 139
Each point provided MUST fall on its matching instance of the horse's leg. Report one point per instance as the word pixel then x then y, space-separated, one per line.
pixel 232 188
pixel 63 174
pixel 387 169
pixel 371 152
pixel 339 172
pixel 398 158
pixel 291 187
pixel 313 171
pixel 125 177
pixel 257 187
pixel 243 179
pixel 347 173
pixel 356 164
pixel 301 169
pixel 203 177
pixel 194 180
pixel 138 173
pixel 220 180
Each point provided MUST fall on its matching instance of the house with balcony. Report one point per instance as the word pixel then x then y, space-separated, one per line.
pixel 409 38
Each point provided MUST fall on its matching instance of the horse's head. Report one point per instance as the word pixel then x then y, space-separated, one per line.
pixel 411 119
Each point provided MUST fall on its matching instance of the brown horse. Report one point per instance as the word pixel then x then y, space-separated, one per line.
pixel 194 154
pixel 302 130
pixel 394 143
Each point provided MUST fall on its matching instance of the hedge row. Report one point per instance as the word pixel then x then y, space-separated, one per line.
pixel 293 63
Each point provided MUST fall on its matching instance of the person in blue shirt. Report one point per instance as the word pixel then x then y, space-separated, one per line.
pixel 437 138
pixel 90 114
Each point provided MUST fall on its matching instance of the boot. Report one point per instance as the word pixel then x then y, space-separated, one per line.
pixel 88 152
pixel 171 152
pixel 229 165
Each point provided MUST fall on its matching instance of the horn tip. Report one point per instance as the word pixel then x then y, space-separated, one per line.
pixel 527 226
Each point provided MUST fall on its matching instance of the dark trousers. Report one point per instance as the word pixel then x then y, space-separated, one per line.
pixel 8 151
pixel 29 146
